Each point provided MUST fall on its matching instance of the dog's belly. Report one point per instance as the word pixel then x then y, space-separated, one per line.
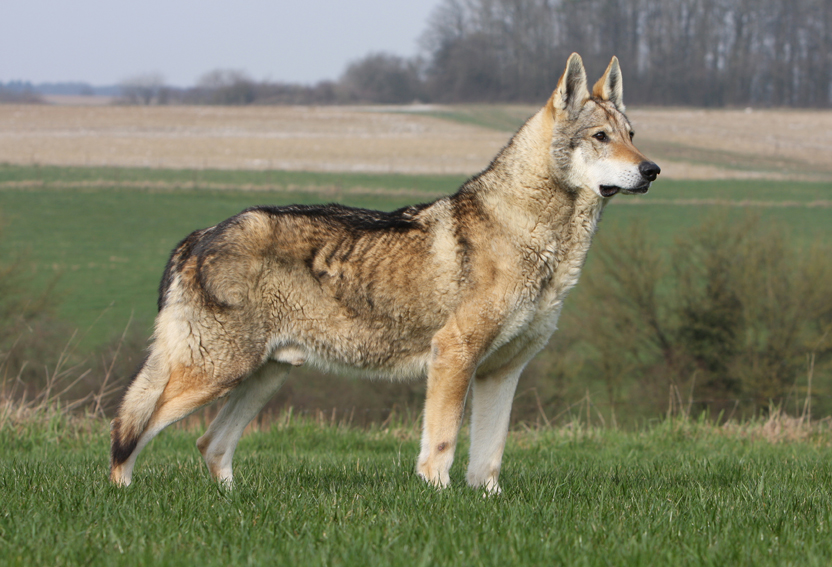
pixel 382 332
pixel 367 346
pixel 401 366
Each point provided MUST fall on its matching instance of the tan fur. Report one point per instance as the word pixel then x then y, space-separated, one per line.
pixel 465 291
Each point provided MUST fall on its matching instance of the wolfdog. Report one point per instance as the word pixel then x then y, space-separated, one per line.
pixel 465 290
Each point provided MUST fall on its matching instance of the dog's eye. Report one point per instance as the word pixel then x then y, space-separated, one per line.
pixel 601 136
pixel 631 135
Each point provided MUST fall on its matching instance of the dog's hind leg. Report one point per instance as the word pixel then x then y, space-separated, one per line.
pixel 128 429
pixel 490 410
pixel 185 391
pixel 245 402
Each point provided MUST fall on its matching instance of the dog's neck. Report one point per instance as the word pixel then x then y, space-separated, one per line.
pixel 523 192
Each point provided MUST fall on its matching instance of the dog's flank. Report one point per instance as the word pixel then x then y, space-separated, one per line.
pixel 465 290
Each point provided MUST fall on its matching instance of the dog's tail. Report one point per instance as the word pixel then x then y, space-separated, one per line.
pixel 136 409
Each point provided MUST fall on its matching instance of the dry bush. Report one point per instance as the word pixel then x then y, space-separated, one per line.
pixel 777 427
pixel 29 330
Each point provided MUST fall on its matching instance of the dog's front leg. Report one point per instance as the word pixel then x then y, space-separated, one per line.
pixel 493 393
pixel 453 363
pixel 490 412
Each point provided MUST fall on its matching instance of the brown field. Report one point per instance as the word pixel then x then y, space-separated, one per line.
pixel 687 143
pixel 702 144
pixel 274 137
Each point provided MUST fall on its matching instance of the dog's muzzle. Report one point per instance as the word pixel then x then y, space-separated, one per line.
pixel 648 170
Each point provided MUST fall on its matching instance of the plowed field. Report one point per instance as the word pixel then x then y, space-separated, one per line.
pixel 687 143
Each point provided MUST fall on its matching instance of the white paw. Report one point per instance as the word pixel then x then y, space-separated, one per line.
pixel 488 483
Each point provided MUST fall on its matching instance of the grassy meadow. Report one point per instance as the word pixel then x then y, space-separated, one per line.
pixel 314 493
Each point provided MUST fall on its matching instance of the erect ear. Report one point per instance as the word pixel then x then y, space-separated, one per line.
pixel 571 92
pixel 610 86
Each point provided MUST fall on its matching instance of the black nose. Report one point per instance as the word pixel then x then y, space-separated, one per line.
pixel 649 170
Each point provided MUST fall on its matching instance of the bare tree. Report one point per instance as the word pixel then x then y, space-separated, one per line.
pixel 382 78
pixel 227 86
pixel 142 89
pixel 25 96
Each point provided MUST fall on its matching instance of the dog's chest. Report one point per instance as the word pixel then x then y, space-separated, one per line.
pixel 552 271
pixel 533 319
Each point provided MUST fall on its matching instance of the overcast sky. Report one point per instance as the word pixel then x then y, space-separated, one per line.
pixel 105 41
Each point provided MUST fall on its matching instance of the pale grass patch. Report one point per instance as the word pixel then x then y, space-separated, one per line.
pixel 779 427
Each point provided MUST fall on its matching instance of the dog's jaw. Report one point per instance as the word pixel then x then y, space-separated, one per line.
pixel 611 190
pixel 640 190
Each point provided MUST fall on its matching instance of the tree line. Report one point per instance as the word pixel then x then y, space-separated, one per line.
pixel 682 52
pixel 673 52
pixel 377 78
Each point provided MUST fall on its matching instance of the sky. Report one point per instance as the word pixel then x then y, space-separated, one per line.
pixel 103 42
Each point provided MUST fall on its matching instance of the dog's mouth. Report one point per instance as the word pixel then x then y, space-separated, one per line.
pixel 609 190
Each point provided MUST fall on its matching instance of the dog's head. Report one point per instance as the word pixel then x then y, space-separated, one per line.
pixel 592 143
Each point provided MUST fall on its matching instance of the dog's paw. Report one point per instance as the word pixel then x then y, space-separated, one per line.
pixel 433 476
pixel 488 484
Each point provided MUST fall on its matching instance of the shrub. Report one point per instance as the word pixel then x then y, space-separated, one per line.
pixel 26 321
pixel 733 315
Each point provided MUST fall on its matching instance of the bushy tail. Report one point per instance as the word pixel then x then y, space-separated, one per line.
pixel 137 407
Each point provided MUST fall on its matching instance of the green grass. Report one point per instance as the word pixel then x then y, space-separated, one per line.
pixel 313 495
pixel 500 117
pixel 108 231
pixel 59 177
pixel 773 192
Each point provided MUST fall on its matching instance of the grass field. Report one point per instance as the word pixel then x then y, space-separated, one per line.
pixel 670 492
pixel 678 493
pixel 108 232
